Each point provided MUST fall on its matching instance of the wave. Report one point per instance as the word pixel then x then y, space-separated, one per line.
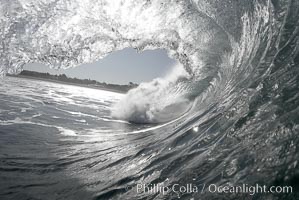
pixel 165 99
pixel 206 47
pixel 236 84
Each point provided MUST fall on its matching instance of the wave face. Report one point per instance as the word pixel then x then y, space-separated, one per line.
pixel 234 96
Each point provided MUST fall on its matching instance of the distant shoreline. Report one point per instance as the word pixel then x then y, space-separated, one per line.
pixel 66 83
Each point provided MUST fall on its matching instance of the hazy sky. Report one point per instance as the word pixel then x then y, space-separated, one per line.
pixel 119 67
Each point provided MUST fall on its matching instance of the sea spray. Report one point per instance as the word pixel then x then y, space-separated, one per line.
pixel 157 101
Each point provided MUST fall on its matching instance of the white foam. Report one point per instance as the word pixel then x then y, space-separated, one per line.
pixel 157 101
pixel 66 132
pixel 18 120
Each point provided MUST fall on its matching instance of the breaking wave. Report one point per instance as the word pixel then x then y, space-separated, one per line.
pixel 237 80
pixel 213 51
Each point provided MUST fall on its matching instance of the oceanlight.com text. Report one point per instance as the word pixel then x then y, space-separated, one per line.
pixel 211 188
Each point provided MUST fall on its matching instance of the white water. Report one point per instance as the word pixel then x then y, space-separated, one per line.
pixel 160 100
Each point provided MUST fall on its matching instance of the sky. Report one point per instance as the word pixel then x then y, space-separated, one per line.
pixel 120 67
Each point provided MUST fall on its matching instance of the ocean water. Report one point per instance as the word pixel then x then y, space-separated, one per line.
pixel 49 130
pixel 226 115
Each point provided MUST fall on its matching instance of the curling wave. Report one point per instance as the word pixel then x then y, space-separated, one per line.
pixel 84 31
pixel 236 84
